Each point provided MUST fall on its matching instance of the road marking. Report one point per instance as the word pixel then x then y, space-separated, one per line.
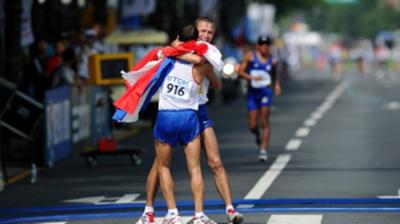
pixel 302 132
pixel 295 219
pixel 316 115
pixel 324 107
pixel 90 200
pixel 18 177
pixel 100 200
pixel 310 122
pixel 127 198
pixel 268 177
pixel 391 196
pixel 392 106
pixel 293 144
pixel 52 222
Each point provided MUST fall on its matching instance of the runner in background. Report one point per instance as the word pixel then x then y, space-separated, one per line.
pixel 259 68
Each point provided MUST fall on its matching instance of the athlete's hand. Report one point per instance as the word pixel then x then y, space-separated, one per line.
pixel 277 90
pixel 257 78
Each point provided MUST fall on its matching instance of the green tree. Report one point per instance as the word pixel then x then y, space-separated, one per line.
pixel 362 19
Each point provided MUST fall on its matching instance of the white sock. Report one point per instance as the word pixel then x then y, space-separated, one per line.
pixel 263 151
pixel 172 212
pixel 148 209
pixel 229 207
pixel 198 214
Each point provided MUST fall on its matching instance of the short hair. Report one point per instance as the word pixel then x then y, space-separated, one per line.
pixel 204 19
pixel 187 33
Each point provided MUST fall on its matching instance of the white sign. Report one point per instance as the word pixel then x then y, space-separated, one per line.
pixel 99 200
pixel 261 20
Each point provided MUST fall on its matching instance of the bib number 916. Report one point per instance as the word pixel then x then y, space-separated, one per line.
pixel 175 89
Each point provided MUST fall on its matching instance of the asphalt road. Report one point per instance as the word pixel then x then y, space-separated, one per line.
pixel 333 159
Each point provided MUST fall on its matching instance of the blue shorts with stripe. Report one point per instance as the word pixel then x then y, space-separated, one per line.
pixel 204 119
pixel 176 126
pixel 257 98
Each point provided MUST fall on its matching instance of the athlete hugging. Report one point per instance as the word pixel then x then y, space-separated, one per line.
pixel 183 119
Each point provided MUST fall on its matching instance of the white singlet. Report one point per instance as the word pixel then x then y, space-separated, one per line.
pixel 203 90
pixel 180 90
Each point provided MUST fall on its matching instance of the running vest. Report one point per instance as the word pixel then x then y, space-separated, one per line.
pixel 179 90
pixel 256 68
pixel 203 90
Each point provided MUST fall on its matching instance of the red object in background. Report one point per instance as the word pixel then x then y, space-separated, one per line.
pixel 107 145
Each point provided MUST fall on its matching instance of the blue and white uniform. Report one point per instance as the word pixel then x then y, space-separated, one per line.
pixel 259 92
pixel 177 120
pixel 205 120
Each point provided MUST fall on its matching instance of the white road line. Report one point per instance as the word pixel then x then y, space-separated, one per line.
pixel 293 144
pixel 52 222
pixel 127 198
pixel 324 107
pixel 302 132
pixel 316 115
pixel 391 196
pixel 391 106
pixel 295 219
pixel 310 122
pixel 268 177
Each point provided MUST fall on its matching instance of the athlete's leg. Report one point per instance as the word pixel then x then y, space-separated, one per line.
pixel 152 184
pixel 164 155
pixel 253 124
pixel 221 179
pixel 264 115
pixel 210 144
pixel 192 152
pixel 151 190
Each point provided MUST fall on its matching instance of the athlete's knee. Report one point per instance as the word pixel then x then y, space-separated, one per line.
pixel 215 164
pixel 254 129
pixel 265 125
pixel 161 163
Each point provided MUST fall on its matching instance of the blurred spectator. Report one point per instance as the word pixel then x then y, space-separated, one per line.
pixel 35 70
pixel 335 57
pixel 65 74
pixel 55 61
pixel 91 43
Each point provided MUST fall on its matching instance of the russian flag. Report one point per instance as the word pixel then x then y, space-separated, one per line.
pixel 148 74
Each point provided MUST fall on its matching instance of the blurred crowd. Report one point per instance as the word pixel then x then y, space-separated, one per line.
pixel 50 64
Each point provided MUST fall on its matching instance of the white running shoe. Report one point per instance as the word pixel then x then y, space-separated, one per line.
pixel 234 217
pixel 147 218
pixel 172 220
pixel 263 156
pixel 201 220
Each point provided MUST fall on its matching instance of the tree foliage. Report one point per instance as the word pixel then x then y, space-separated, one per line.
pixel 362 19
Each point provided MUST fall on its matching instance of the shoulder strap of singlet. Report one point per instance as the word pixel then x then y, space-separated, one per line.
pixel 255 58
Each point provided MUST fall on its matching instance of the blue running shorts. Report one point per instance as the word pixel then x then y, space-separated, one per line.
pixel 204 119
pixel 257 98
pixel 176 126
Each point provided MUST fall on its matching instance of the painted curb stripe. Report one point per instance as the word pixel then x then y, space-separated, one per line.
pixel 278 201
pixel 69 217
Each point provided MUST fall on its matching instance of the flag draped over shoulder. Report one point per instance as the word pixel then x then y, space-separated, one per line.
pixel 148 74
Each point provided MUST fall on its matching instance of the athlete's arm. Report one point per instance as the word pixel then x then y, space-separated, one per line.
pixel 243 66
pixel 275 78
pixel 192 58
pixel 189 57
pixel 215 82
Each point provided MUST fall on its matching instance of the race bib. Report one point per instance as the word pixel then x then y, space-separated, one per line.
pixel 264 82
pixel 177 88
